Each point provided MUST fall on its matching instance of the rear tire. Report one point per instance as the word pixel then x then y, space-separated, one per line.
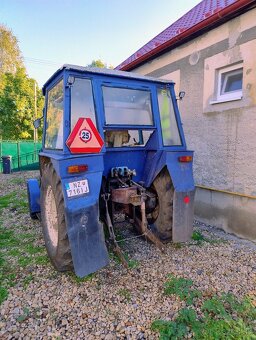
pixel 53 220
pixel 161 218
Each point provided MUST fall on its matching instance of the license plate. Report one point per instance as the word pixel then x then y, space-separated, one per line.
pixel 77 188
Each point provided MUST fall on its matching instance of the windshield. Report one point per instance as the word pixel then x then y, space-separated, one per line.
pixel 127 106
pixel 169 124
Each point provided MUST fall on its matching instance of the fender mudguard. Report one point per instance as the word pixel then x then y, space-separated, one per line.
pixel 184 194
pixel 184 190
pixel 85 231
pixel 33 192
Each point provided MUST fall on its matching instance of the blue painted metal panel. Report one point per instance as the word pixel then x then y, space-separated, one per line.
pixel 94 163
pixel 153 165
pixel 85 231
pixel 181 173
pixel 67 113
pixel 33 196
pixel 134 159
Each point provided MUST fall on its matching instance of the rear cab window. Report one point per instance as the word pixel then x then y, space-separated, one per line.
pixel 127 107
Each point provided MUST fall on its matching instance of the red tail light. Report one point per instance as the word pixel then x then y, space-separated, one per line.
pixel 185 159
pixel 73 169
pixel 186 199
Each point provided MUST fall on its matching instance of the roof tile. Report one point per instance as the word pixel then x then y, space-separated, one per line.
pixel 200 12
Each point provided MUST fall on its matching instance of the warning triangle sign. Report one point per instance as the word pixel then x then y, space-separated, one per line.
pixel 84 138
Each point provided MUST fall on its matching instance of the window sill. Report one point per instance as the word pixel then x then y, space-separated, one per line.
pixel 225 100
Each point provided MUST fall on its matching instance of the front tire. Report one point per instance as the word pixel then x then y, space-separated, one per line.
pixel 53 220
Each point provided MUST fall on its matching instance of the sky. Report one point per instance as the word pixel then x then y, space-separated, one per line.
pixel 56 32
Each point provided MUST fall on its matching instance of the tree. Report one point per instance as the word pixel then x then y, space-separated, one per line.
pixel 99 63
pixel 17 91
pixel 17 105
pixel 10 55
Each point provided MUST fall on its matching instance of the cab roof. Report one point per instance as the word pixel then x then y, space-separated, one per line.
pixel 104 71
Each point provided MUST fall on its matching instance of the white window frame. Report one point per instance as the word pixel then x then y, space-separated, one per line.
pixel 230 96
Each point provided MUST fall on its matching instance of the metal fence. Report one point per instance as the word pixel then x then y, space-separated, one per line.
pixel 24 154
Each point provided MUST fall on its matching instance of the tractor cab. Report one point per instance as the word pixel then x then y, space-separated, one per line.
pixel 124 109
pixel 113 142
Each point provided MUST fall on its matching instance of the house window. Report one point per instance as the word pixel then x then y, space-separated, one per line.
pixel 230 83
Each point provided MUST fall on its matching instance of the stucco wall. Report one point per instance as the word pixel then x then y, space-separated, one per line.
pixel 223 135
pixel 235 214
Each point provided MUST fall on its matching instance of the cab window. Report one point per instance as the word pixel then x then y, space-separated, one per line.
pixel 82 104
pixel 54 118
pixel 124 106
pixel 126 138
pixel 170 131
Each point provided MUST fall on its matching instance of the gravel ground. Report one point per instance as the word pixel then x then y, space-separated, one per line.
pixel 117 303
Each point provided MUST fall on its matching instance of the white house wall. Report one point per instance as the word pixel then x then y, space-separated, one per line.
pixel 223 134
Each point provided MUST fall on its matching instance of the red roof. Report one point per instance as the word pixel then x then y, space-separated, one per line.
pixel 206 13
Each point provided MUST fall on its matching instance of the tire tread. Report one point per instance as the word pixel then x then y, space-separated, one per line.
pixel 61 259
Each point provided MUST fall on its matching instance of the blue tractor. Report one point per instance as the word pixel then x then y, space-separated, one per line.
pixel 113 144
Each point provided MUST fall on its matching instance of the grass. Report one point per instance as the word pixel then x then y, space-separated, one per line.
pixel 3 294
pixel 199 238
pixel 29 278
pixel 177 245
pixel 14 252
pixel 125 293
pixel 42 260
pixel 5 201
pixel 132 263
pixel 15 201
pixel 216 318
pixel 31 249
pixel 80 280
pixel 182 288
pixel 18 251
pixel 25 315
pixel 17 181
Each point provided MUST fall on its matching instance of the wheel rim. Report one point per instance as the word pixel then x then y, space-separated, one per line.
pixel 51 217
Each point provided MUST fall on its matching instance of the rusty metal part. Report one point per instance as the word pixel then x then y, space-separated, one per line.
pixel 122 195
pixel 116 247
pixel 143 226
pixel 135 200
pixel 119 253
pixel 130 198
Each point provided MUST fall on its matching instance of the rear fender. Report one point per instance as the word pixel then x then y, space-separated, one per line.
pixel 181 173
pixel 184 191
pixel 85 231
pixel 183 201
pixel 183 216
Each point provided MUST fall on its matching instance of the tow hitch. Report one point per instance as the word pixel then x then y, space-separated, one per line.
pixel 128 197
